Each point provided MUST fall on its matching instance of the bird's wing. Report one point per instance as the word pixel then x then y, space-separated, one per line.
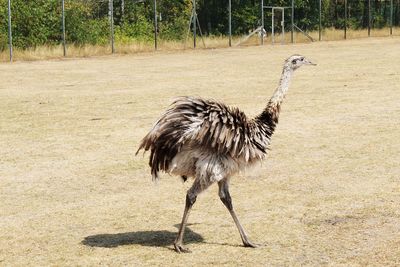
pixel 224 130
pixel 215 126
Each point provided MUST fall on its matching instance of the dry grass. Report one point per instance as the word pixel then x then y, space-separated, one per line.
pixel 73 194
pixel 327 35
pixel 134 47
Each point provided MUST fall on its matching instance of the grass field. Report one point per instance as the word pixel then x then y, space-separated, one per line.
pixel 72 193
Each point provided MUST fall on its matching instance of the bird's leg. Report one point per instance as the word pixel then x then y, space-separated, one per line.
pixel 191 196
pixel 227 200
pixel 190 199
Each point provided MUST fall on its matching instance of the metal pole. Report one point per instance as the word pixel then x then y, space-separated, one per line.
pixel 10 46
pixel 190 26
pixel 292 30
pixel 155 24
pixel 194 23
pixel 262 22
pixel 201 34
pixel 272 34
pixel 320 21
pixel 230 22
pixel 63 28
pixel 369 18
pixel 111 12
pixel 345 19
pixel 283 26
pixel 391 17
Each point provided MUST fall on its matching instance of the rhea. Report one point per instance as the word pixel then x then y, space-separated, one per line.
pixel 210 142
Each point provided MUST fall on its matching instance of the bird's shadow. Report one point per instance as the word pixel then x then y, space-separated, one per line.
pixel 160 238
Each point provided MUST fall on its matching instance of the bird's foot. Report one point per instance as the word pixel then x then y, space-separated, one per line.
pixel 180 249
pixel 249 244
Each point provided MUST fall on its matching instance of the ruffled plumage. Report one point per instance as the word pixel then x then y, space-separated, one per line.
pixel 210 125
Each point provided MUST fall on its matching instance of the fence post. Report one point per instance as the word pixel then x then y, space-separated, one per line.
pixel 63 28
pixel 292 17
pixel 345 19
pixel 283 26
pixel 320 23
pixel 194 23
pixel 111 13
pixel 155 25
pixel 230 22
pixel 369 18
pixel 273 26
pixel 262 22
pixel 391 17
pixel 10 46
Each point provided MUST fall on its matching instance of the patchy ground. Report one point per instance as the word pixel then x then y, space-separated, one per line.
pixel 73 193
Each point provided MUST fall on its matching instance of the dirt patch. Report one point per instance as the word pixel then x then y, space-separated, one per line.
pixel 73 193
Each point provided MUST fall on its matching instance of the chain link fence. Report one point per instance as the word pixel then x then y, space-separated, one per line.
pixel 90 27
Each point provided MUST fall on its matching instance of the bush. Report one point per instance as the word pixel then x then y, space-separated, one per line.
pixel 38 22
pixel 3 41
pixel 82 28
pixel 140 29
pixel 35 22
pixel 173 30
pixel 175 19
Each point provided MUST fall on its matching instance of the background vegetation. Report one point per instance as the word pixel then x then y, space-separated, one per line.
pixel 38 22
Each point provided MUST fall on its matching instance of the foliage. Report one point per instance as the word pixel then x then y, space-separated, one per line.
pixel 135 22
pixel 82 27
pixel 3 25
pixel 38 22
pixel 175 16
pixel 34 22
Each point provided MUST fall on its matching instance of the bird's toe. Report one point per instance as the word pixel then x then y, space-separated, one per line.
pixel 180 249
pixel 249 244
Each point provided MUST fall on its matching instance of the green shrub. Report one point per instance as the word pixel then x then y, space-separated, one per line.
pixel 140 29
pixel 3 41
pixel 35 22
pixel 82 28
pixel 174 30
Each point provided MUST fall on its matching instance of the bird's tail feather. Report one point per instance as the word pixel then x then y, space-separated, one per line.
pixel 146 145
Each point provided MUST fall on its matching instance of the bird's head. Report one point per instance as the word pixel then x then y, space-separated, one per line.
pixel 296 61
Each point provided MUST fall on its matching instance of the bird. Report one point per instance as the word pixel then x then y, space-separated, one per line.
pixel 209 141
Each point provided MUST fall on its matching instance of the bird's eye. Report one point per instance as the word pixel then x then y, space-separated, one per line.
pixel 301 59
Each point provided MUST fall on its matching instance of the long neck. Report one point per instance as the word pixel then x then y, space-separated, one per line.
pixel 270 115
pixel 274 105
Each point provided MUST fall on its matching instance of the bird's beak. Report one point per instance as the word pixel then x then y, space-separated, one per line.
pixel 308 62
